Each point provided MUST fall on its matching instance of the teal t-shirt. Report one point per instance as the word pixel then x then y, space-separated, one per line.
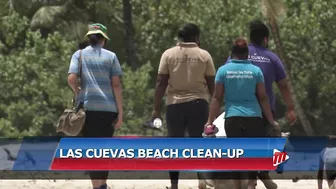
pixel 240 79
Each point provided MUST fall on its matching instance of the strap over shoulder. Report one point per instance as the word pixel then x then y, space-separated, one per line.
pixel 79 78
pixel 80 64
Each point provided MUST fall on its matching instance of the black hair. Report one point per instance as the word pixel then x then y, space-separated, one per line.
pixel 258 32
pixel 240 48
pixel 83 44
pixel 94 39
pixel 189 32
pixel 331 141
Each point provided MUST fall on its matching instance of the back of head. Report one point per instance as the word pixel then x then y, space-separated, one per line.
pixel 95 39
pixel 239 49
pixel 331 141
pixel 83 44
pixel 189 33
pixel 258 32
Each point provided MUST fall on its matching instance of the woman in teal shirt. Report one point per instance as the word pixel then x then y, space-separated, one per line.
pixel 241 85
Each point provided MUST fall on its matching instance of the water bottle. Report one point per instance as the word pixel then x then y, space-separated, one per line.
pixel 156 124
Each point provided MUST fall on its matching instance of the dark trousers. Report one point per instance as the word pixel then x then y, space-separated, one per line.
pixel 99 124
pixel 247 127
pixel 190 117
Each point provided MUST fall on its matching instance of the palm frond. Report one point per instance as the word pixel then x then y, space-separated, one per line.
pixel 273 8
pixel 46 16
pixel 76 30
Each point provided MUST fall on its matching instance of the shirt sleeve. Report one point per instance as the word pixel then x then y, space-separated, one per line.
pixel 163 67
pixel 322 157
pixel 73 69
pixel 115 68
pixel 220 76
pixel 210 67
pixel 260 76
pixel 280 72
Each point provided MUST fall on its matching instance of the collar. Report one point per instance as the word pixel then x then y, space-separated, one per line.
pixel 257 46
pixel 186 44
pixel 96 47
pixel 240 61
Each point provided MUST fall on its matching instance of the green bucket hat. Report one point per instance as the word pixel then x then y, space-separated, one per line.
pixel 97 29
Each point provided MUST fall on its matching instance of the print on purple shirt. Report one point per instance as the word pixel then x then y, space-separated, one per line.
pixel 271 67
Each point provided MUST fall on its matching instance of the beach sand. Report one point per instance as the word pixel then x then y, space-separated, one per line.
pixel 135 184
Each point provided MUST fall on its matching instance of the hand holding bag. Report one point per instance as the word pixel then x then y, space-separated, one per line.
pixel 72 120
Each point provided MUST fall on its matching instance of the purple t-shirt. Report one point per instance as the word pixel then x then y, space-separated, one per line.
pixel 271 67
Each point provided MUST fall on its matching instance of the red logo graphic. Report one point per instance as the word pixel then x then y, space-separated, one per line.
pixel 279 157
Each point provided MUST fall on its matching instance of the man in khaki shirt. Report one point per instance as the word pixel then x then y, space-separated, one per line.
pixel 186 73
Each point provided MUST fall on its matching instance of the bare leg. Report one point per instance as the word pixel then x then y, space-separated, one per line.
pixel 201 184
pixel 251 184
pixel 104 184
pixel 331 183
pixel 237 184
pixel 96 183
pixel 267 181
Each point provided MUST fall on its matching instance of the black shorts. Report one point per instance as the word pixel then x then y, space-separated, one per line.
pixel 99 124
pixel 331 174
pixel 245 127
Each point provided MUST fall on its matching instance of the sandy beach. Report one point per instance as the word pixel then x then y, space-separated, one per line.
pixel 135 184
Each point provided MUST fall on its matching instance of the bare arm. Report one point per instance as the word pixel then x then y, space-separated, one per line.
pixel 210 73
pixel 160 89
pixel 210 80
pixel 72 81
pixel 117 90
pixel 263 100
pixel 216 102
pixel 284 90
pixel 290 114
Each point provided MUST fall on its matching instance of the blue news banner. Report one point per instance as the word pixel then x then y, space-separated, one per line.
pixel 42 154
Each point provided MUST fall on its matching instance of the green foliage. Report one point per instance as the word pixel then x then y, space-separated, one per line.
pixel 138 96
pixel 33 70
pixel 308 35
pixel 33 79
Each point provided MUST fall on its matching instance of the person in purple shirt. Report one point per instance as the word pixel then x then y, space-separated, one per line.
pixel 274 72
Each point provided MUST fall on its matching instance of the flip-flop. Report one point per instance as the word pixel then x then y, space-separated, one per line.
pixel 167 187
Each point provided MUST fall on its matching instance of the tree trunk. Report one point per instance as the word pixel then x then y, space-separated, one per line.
pixel 129 34
pixel 280 49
